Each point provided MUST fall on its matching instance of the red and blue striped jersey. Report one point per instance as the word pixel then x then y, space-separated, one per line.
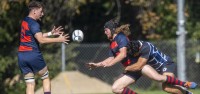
pixel 29 27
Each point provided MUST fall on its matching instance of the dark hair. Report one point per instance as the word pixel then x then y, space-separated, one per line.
pixel 133 47
pixel 35 4
pixel 112 25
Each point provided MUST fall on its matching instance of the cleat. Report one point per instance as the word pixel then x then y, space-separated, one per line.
pixel 191 85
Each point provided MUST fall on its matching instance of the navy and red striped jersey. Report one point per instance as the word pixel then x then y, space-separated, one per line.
pixel 118 42
pixel 155 57
pixel 29 27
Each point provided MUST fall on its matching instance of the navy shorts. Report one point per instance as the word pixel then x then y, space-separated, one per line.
pixel 135 75
pixel 30 62
pixel 170 67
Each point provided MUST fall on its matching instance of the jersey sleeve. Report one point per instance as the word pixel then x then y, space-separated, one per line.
pixel 145 51
pixel 35 28
pixel 122 41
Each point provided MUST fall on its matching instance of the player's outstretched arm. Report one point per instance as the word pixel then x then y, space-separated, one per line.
pixel 54 31
pixel 62 38
pixel 118 58
pixel 93 65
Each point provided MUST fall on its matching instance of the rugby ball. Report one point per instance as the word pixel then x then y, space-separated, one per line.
pixel 77 35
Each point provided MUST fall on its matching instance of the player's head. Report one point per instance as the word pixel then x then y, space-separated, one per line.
pixel 36 9
pixel 133 48
pixel 110 27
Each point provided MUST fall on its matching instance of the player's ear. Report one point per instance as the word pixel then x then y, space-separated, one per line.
pixel 33 11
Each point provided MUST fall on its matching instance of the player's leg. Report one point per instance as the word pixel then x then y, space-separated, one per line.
pixel 120 86
pixel 174 81
pixel 24 59
pixel 169 71
pixel 39 66
pixel 154 75
pixel 45 80
pixel 30 83
pixel 172 88
pixel 151 73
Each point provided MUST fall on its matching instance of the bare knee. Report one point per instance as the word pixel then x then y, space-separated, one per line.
pixel 121 83
pixel 43 71
pixel 117 89
pixel 29 79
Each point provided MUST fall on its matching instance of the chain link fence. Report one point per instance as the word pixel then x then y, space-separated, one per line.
pixel 77 55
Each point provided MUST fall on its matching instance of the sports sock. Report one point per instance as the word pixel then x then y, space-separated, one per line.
pixel 174 81
pixel 47 92
pixel 128 91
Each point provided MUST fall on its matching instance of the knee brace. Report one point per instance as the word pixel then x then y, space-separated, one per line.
pixel 45 75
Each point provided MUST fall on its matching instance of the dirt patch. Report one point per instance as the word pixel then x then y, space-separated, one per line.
pixel 74 82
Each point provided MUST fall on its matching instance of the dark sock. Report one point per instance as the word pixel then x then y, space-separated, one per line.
pixel 174 81
pixel 47 92
pixel 128 91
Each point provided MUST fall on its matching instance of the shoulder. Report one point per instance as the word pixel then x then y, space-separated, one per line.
pixel 121 37
pixel 145 44
pixel 31 21
pixel 145 47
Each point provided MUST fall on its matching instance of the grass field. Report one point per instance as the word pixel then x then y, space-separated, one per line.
pixel 196 91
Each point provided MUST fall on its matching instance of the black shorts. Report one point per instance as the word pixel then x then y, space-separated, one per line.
pixel 135 75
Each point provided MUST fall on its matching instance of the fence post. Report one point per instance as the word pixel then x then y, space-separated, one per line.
pixel 63 56
pixel 181 41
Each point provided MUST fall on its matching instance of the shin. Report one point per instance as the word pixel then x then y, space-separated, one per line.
pixel 45 80
pixel 30 83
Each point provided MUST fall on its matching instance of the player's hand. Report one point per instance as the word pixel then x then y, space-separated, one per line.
pixel 57 30
pixel 64 38
pixel 91 65
pixel 128 68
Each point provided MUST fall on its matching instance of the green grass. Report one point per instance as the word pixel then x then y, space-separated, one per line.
pixel 196 91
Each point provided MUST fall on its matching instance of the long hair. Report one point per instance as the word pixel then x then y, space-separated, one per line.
pixel 123 28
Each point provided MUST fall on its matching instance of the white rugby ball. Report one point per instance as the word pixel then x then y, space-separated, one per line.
pixel 77 35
